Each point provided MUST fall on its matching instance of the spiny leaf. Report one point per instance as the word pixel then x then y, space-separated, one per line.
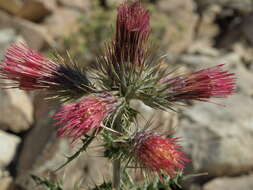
pixel 46 183
pixel 85 145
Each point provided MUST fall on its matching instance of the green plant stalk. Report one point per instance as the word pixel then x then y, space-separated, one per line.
pixel 116 164
pixel 116 174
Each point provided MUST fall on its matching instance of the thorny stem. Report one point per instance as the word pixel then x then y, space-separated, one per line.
pixel 116 174
pixel 116 164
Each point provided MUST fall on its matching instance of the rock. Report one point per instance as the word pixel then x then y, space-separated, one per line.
pixel 16 110
pixel 48 153
pixel 62 22
pixel 36 36
pixel 31 9
pixel 12 6
pixel 244 6
pixel 6 183
pixel 231 183
pixel 219 140
pixel 233 63
pixel 5 20
pixel 7 36
pixel 165 122
pixel 8 146
pixel 206 29
pixel 82 5
pixel 180 25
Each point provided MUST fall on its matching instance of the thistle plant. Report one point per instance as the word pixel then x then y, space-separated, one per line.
pixel 97 98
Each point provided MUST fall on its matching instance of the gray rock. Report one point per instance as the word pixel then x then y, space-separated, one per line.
pixel 82 5
pixel 16 110
pixel 244 6
pixel 164 122
pixel 62 22
pixel 8 146
pixel 180 23
pixel 231 183
pixel 37 36
pixel 7 36
pixel 233 62
pixel 220 139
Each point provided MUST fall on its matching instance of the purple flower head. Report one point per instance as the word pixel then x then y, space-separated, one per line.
pixel 200 85
pixel 132 31
pixel 158 154
pixel 25 68
pixel 28 70
pixel 87 114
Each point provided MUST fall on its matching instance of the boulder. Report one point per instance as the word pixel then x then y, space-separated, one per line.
pixel 8 146
pixel 7 36
pixel 244 6
pixel 82 5
pixel 16 110
pixel 180 25
pixel 219 139
pixel 62 22
pixel 37 36
pixel 31 9
pixel 231 183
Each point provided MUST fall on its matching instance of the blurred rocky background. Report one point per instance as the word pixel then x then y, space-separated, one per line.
pixel 194 34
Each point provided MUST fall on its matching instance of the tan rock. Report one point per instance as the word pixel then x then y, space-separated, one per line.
pixel 231 183
pixel 165 122
pixel 8 146
pixel 83 5
pixel 180 24
pixel 62 22
pixel 36 36
pixel 5 20
pixel 12 6
pixel 30 9
pixel 6 183
pixel 244 6
pixel 16 110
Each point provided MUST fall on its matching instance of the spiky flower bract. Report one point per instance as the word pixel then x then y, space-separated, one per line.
pixel 157 154
pixel 28 70
pixel 132 31
pixel 77 119
pixel 124 60
pixel 208 83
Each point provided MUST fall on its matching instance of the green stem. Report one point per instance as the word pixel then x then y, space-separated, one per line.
pixel 116 174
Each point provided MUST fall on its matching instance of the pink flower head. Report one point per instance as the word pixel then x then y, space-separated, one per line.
pixel 132 19
pixel 201 85
pixel 25 68
pixel 158 154
pixel 87 114
pixel 132 31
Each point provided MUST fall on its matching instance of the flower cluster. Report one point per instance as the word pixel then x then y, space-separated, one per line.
pixel 125 71
pixel 28 70
pixel 132 31
pixel 88 113
pixel 158 154
pixel 200 85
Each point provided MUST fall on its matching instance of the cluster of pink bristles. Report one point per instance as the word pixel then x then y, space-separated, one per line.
pixel 28 70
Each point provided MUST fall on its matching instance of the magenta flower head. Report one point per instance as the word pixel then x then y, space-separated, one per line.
pixel 132 31
pixel 25 68
pixel 200 85
pixel 28 70
pixel 77 119
pixel 158 154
